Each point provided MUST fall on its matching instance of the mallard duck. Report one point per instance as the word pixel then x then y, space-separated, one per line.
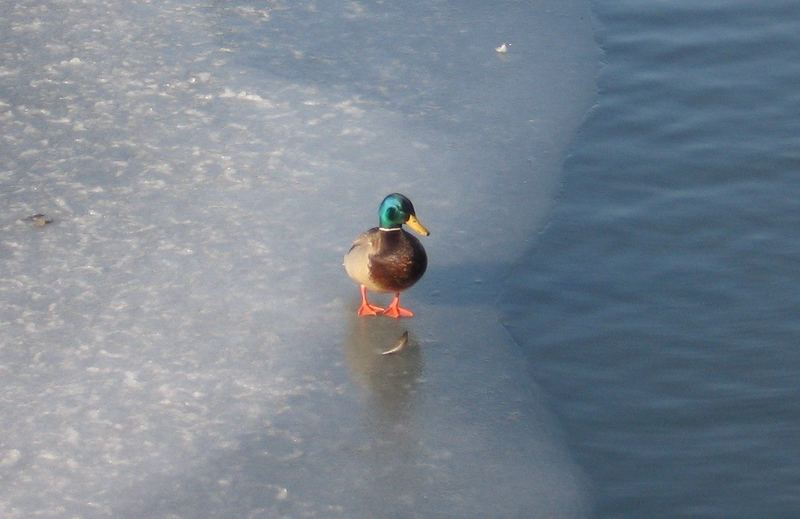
pixel 387 258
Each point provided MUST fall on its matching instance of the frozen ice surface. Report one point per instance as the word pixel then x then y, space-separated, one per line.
pixel 181 340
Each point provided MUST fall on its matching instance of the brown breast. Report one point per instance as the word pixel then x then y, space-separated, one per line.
pixel 400 261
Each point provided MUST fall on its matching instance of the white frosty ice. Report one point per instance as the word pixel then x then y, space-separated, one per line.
pixel 181 340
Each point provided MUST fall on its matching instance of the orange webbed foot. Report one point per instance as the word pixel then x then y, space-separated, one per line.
pixel 395 311
pixel 366 308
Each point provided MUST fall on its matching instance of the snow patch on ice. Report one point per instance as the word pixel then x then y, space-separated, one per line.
pixel 9 458
pixel 71 62
pixel 230 94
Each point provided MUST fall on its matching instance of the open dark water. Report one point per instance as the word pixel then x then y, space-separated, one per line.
pixel 665 297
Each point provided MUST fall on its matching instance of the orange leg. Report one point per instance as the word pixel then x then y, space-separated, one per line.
pixel 366 308
pixel 395 310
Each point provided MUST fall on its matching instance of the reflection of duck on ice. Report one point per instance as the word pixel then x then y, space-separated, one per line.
pixel 388 449
pixel 390 380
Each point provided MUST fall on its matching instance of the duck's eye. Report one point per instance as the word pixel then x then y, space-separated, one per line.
pixel 391 213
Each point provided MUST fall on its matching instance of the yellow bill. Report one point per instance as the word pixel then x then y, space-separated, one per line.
pixel 416 226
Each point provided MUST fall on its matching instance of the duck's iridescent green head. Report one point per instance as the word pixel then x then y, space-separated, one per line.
pixel 396 210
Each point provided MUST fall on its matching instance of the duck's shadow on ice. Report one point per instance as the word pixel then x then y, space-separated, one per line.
pixel 471 285
pixel 467 285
